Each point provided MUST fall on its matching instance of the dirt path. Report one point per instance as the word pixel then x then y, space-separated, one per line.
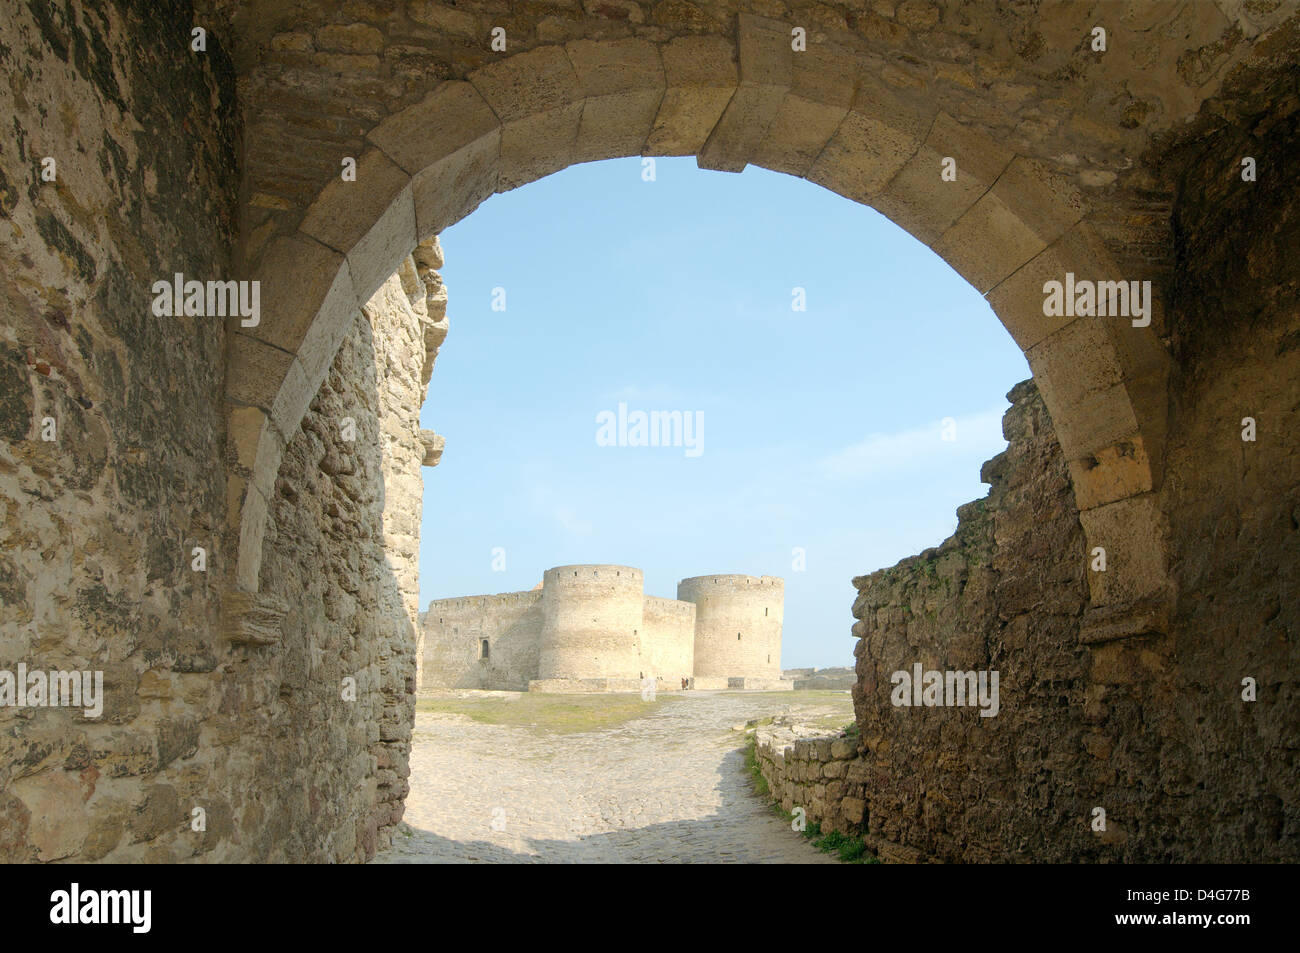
pixel 666 788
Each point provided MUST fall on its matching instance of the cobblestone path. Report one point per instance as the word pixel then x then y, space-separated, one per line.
pixel 667 788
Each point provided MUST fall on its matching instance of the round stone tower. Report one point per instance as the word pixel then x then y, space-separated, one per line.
pixel 591 622
pixel 737 625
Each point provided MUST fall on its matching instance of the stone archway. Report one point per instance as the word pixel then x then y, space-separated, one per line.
pixel 1008 223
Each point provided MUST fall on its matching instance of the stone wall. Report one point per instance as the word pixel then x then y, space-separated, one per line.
pixel 809 767
pixel 1151 728
pixel 112 530
pixel 454 630
pixel 98 524
pixel 834 679
pixel 409 314
pixel 1005 592
pixel 341 553
pixel 668 640
pixel 1224 788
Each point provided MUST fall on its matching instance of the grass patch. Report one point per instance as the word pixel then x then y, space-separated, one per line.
pixel 836 720
pixel 755 772
pixel 561 713
pixel 851 850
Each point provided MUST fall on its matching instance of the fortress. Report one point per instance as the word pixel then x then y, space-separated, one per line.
pixel 593 628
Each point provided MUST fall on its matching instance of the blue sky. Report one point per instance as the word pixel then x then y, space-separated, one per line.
pixel 820 430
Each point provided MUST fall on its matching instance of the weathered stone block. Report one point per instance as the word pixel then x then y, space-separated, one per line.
pixel 346 210
pixel 378 253
pixel 298 277
pixel 1019 299
pixel 1112 473
pixel 821 92
pixel 701 76
pixel 538 98
pixel 1080 380
pixel 921 200
pixel 451 188
pixel 57 825
pixel 766 66
pixel 1132 531
pixel 447 121
pixel 622 85
pixel 843 748
pixel 255 370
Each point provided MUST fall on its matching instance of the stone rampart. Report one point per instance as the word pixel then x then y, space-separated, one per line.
pixel 835 679
pixel 455 631
pixel 668 640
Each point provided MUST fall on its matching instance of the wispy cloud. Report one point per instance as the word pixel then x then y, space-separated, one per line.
pixel 979 433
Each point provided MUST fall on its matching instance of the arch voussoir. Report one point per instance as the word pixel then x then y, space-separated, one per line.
pixel 450 144
pixel 254 370
pixel 371 221
pixel 700 76
pixel 538 98
pixel 878 137
pixel 451 188
pixel 924 203
pixel 822 86
pixel 1027 209
pixel 1018 299
pixel 623 85
pixel 252 528
pixel 297 275
pixel 346 208
pixel 765 76
pixel 1080 377
pixel 321 341
pixel 450 118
